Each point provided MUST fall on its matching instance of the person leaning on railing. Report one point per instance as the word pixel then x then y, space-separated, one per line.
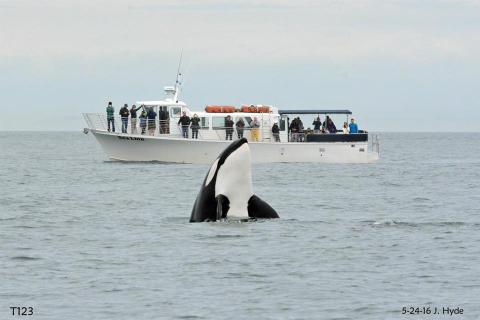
pixel 110 116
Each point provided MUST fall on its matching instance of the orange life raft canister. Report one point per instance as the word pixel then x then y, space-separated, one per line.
pixel 220 109
pixel 249 109
pixel 260 108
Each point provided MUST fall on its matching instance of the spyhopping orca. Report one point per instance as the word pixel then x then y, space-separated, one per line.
pixel 227 189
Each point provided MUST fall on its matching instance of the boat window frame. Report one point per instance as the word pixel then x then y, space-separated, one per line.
pixel 205 124
pixel 223 118
pixel 172 111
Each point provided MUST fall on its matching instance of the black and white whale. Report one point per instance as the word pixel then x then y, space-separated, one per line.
pixel 227 189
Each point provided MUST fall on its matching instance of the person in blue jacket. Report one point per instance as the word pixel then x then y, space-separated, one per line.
pixel 151 116
pixel 353 126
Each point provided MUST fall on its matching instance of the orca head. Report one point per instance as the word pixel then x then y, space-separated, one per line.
pixel 231 174
pixel 227 189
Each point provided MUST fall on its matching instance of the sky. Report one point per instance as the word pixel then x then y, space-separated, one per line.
pixel 399 65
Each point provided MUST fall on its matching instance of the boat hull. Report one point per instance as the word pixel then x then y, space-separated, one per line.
pixel 126 147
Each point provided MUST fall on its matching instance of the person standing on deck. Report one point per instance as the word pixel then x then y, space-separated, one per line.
pixel 143 121
pixel 240 125
pixel 331 126
pixel 324 125
pixel 276 132
pixel 185 122
pixel 151 115
pixel 255 133
pixel 164 120
pixel 317 124
pixel 133 120
pixel 110 116
pixel 294 130
pixel 301 134
pixel 346 130
pixel 353 126
pixel 124 114
pixel 228 128
pixel 195 126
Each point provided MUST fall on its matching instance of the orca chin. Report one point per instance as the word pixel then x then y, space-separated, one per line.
pixel 226 192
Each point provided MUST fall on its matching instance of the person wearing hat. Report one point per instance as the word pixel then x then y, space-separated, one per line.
pixel 110 116
pixel 353 126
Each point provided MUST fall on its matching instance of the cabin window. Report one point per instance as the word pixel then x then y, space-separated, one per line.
pixel 176 112
pixel 218 122
pixel 163 113
pixel 204 122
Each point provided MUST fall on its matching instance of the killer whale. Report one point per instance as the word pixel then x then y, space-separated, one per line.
pixel 227 189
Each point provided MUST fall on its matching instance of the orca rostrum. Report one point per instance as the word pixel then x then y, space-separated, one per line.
pixel 227 192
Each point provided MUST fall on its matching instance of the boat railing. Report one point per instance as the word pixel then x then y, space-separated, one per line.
pixel 156 127
pixel 163 128
pixel 95 121
pixel 375 144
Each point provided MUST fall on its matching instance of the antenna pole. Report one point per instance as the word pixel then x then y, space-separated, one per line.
pixel 177 80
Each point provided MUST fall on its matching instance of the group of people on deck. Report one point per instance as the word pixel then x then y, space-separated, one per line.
pixel 147 119
pixel 148 115
pixel 328 126
pixel 193 123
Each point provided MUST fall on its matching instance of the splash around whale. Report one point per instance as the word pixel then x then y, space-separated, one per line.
pixel 226 192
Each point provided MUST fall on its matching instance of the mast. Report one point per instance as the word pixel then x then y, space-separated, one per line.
pixel 177 80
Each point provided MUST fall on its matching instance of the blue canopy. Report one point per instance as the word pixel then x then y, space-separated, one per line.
pixel 315 112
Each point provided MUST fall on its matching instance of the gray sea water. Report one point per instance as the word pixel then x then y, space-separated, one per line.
pixel 86 238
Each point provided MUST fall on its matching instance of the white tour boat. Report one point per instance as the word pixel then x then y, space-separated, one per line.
pixel 162 138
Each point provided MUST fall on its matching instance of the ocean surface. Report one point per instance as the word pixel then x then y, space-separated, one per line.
pixel 82 237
